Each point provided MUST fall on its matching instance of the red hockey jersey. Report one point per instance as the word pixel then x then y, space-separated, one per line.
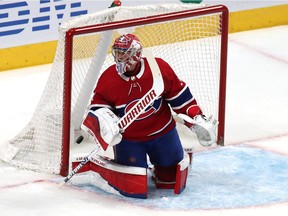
pixel 120 93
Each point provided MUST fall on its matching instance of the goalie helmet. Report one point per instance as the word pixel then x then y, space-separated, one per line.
pixel 127 51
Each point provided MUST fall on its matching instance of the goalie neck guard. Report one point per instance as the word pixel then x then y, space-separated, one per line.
pixel 127 52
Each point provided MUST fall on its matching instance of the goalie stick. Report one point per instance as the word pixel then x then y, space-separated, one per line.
pixel 155 91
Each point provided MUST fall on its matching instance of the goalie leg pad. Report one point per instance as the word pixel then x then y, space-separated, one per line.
pixel 127 180
pixel 164 177
pixel 182 174
pixel 173 177
pixel 163 184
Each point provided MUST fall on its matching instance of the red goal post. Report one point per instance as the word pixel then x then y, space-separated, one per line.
pixel 191 38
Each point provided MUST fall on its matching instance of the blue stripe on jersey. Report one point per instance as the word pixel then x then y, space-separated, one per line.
pixel 98 106
pixel 181 99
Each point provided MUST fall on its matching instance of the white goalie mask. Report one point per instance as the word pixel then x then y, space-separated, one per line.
pixel 127 51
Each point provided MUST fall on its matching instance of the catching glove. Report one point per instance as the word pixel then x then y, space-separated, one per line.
pixel 205 128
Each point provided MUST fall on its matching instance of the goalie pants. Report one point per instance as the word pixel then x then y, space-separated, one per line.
pixel 163 151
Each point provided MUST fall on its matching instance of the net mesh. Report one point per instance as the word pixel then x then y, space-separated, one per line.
pixel 192 46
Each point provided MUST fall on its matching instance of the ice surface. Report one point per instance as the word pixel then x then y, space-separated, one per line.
pixel 248 176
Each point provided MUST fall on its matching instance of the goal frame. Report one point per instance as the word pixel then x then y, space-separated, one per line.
pixel 221 9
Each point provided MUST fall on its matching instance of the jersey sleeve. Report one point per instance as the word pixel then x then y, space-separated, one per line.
pixel 177 93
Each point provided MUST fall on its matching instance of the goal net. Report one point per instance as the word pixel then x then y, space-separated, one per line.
pixel 192 38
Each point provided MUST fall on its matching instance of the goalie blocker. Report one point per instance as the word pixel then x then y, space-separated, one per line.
pixel 132 181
